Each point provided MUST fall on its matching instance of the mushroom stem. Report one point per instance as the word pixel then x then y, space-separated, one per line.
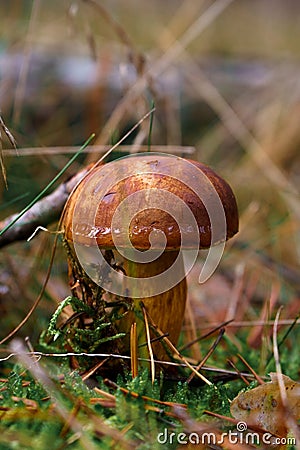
pixel 166 309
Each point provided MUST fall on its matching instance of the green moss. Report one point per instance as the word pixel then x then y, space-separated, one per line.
pixel 140 420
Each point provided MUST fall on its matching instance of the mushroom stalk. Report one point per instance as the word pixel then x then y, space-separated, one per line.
pixel 166 309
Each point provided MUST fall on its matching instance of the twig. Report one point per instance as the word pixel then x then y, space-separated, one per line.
pixel 100 149
pixel 254 323
pixel 43 213
pixel 9 225
pixel 9 135
pixel 43 192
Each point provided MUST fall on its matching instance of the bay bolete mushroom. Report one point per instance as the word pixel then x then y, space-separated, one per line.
pixel 149 214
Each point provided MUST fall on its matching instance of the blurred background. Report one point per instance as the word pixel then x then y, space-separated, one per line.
pixel 224 79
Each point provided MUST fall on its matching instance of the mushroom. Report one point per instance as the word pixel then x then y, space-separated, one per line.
pixel 134 223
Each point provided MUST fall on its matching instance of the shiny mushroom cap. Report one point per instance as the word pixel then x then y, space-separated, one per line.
pixel 154 192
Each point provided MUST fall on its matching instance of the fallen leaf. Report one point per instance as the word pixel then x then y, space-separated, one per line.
pixel 262 406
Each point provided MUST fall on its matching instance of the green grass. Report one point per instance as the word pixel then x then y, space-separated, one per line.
pixel 35 423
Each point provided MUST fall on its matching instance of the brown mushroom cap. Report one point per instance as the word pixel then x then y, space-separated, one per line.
pixel 149 219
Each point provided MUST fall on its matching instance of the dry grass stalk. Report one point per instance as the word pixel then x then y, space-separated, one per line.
pixel 6 131
pixel 149 346
pixel 176 352
pixel 232 121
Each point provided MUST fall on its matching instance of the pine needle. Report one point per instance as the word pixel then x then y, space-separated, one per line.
pixel 133 351
pixel 238 372
pixel 257 377
pixel 209 353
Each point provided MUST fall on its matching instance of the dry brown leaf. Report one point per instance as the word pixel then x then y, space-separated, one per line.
pixel 262 406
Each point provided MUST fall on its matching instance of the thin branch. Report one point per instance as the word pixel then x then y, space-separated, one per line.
pixel 186 151
pixel 46 188
pixel 43 213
